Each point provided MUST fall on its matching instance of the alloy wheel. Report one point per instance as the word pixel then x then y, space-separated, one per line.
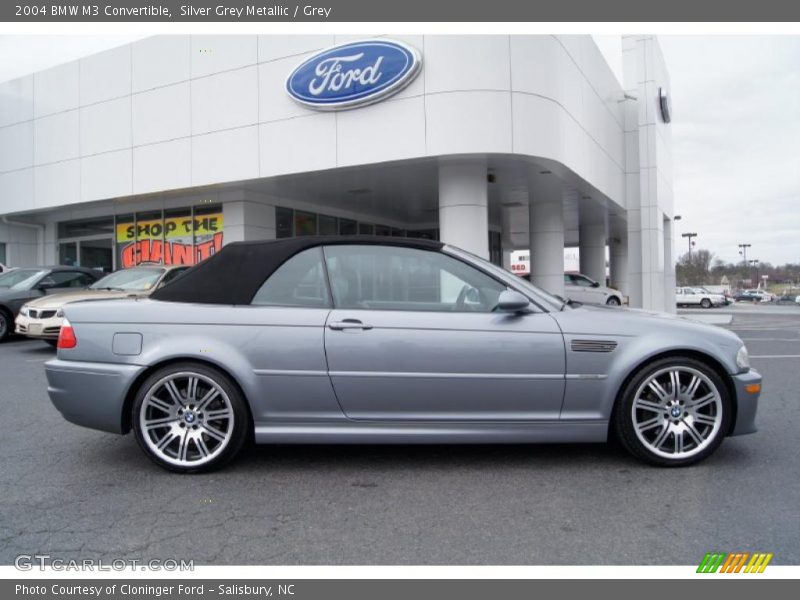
pixel 677 412
pixel 186 419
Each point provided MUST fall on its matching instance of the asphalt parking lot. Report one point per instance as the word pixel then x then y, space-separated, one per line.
pixel 75 493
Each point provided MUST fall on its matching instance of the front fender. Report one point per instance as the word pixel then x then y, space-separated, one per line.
pixel 594 380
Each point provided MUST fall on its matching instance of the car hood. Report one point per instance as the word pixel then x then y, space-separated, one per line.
pixel 56 301
pixel 608 320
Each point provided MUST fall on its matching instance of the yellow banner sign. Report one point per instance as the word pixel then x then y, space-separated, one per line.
pixel 170 228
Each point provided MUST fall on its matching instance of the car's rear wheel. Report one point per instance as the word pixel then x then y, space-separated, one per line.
pixel 674 412
pixel 5 324
pixel 613 301
pixel 189 418
pixel 705 303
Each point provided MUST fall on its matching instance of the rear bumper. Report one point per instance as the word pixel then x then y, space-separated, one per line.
pixel 90 394
pixel 746 402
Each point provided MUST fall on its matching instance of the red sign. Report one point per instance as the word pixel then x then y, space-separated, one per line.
pixel 169 253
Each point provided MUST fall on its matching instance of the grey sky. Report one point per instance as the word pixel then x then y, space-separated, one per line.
pixel 736 132
pixel 736 143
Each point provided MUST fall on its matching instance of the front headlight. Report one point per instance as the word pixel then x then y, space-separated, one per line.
pixel 24 311
pixel 743 359
pixel 60 313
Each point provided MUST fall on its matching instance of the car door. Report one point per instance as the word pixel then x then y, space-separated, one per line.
pixel 689 297
pixel 585 290
pixel 412 336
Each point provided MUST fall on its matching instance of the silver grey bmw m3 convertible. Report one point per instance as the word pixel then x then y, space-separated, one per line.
pixel 387 340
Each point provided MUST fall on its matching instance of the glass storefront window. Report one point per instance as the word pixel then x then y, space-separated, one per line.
pixel 181 236
pixel 178 237
pixel 366 229
pixel 97 254
pixel 3 253
pixel 208 228
pixel 348 227
pixel 305 223
pixel 284 217
pixel 86 227
pixel 149 238
pixel 383 230
pixel 125 241
pixel 68 254
pixel 328 225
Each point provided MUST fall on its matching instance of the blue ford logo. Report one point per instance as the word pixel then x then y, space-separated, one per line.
pixel 353 74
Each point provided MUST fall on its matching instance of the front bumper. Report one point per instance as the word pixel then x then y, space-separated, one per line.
pixel 90 394
pixel 746 402
pixel 40 329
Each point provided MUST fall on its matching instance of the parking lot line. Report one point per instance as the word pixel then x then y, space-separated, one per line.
pixel 776 356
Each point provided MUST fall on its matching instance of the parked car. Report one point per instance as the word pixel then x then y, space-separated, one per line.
pixel 389 340
pixel 697 296
pixel 41 318
pixel 22 285
pixel 583 289
pixel 753 296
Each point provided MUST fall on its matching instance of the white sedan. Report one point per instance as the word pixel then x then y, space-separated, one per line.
pixel 583 289
pixel 694 296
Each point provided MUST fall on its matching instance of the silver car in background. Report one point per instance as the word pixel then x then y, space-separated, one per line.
pixel 387 340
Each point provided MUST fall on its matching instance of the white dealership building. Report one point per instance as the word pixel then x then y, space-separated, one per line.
pixel 164 149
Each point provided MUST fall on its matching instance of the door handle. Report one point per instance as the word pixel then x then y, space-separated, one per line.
pixel 348 324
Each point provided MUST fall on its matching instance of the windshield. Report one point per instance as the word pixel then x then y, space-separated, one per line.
pixel 134 280
pixel 21 279
pixel 544 298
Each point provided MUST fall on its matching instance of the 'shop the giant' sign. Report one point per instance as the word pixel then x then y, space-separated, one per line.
pixel 353 74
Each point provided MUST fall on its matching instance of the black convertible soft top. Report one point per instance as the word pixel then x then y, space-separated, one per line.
pixel 235 273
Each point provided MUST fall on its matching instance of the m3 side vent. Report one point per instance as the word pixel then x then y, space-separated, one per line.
pixel 593 346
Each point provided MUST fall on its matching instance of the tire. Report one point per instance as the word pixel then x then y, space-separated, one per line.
pixel 6 324
pixel 668 431
pixel 613 301
pixel 190 418
pixel 705 303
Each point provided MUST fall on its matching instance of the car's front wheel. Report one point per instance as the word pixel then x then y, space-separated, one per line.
pixel 705 303
pixel 6 322
pixel 189 417
pixel 613 301
pixel 674 412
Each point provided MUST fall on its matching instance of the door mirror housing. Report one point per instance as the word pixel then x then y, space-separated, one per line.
pixel 512 302
pixel 595 284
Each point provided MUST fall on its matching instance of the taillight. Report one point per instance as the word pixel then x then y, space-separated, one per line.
pixel 66 337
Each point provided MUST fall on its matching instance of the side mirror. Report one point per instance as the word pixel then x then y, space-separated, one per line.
pixel 512 302
pixel 595 284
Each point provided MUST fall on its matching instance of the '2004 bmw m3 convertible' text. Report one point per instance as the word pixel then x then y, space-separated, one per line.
pixel 387 340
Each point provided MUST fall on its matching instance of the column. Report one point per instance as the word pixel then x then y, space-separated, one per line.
pixel 592 247
pixel 669 267
pixel 248 220
pixel 463 206
pixel 506 242
pixel 618 262
pixel 547 234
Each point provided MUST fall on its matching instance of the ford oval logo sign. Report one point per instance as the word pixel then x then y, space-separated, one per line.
pixel 353 74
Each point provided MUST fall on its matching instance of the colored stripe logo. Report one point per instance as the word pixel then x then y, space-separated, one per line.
pixel 734 562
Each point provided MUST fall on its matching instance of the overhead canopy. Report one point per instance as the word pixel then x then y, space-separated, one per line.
pixel 235 274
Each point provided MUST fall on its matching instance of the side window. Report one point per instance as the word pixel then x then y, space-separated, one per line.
pixel 581 281
pixel 67 279
pixel 398 278
pixel 567 279
pixel 173 275
pixel 300 281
